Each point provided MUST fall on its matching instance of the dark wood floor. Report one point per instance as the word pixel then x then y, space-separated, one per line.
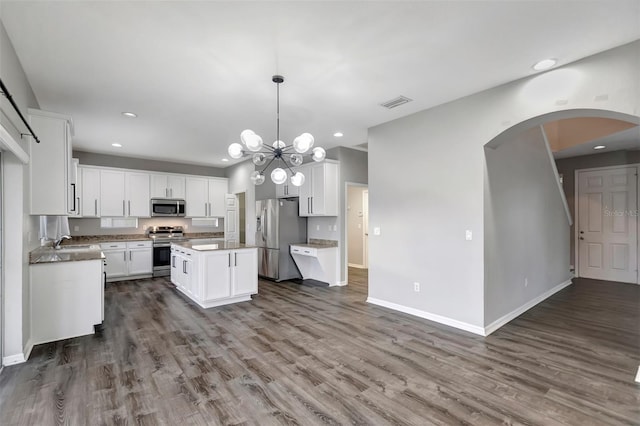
pixel 311 355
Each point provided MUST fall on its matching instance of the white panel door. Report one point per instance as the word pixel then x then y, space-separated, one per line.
pixel 231 219
pixel 607 224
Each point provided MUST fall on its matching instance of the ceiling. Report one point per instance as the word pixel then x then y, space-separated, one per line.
pixel 198 73
pixel 625 140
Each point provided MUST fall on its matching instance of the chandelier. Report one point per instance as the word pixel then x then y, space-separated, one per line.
pixel 287 156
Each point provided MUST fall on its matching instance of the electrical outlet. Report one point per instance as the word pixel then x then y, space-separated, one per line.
pixel 469 235
pixel 76 228
pixel 376 231
pixel 416 287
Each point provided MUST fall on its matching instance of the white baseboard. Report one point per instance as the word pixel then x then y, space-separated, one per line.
pixel 522 309
pixel 428 315
pixel 339 284
pixel 355 265
pixel 19 358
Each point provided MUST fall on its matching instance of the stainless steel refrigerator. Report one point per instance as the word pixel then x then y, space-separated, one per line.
pixel 278 226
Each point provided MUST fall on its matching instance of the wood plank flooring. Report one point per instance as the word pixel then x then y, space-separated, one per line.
pixel 299 355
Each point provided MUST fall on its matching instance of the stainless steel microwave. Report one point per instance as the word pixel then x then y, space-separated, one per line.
pixel 167 207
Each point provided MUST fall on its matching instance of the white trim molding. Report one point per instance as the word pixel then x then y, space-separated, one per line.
pixel 8 143
pixel 19 358
pixel 429 316
pixel 522 309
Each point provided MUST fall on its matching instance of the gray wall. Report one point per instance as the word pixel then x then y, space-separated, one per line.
pixel 105 160
pixel 526 226
pixel 20 230
pixel 568 166
pixel 426 181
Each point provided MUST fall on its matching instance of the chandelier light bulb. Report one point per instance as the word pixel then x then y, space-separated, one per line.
pixel 303 143
pixel 259 159
pixel 257 178
pixel 297 179
pixel 279 144
pixel 253 142
pixel 318 154
pixel 278 176
pixel 296 159
pixel 235 150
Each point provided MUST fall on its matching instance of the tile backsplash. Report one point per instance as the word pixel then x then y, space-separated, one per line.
pixel 91 226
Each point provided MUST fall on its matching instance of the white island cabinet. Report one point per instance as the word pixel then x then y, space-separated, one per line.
pixel 215 274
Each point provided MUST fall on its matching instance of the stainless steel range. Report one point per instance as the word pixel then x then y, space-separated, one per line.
pixel 162 237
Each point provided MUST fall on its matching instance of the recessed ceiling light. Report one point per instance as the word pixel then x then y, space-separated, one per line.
pixel 599 147
pixel 544 64
pixel 338 134
pixel 117 145
pixel 129 114
pixel 225 159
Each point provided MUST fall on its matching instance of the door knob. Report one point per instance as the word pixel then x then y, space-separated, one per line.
pixel 582 232
pixel 581 238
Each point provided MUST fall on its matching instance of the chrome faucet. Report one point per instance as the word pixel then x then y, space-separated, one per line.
pixel 56 244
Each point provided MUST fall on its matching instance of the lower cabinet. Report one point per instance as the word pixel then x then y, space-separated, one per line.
pixel 125 260
pixel 215 277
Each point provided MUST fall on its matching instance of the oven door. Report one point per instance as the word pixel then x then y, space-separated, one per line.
pixel 161 259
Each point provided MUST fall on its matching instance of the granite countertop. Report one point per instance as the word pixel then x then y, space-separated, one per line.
pixel 214 244
pixel 69 253
pixel 318 244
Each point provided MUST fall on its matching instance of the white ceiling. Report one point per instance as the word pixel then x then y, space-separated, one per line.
pixel 198 73
pixel 626 140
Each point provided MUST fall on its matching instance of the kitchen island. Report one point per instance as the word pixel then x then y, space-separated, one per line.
pixel 214 272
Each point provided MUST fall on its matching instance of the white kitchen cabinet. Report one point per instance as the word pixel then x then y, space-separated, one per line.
pixel 167 186
pixel 182 270
pixel 319 193
pixel 50 164
pixel 244 272
pixel 74 179
pixel 140 258
pixel 128 259
pixel 67 299
pixel 112 197
pixel 205 197
pixel 89 191
pixel 287 190
pixel 137 194
pixel 321 263
pixel 217 276
pixel 124 194
pixel 115 258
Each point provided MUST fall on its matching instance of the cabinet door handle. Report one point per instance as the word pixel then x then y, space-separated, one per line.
pixel 184 266
pixel 209 209
pixel 95 205
pixel 173 261
pixel 123 209
pixel 78 212
pixel 74 197
pixel 129 207
pixel 124 255
pixel 235 259
pixel 171 192
pixel 229 260
pixel 311 204
pixel 129 256
pixel 308 204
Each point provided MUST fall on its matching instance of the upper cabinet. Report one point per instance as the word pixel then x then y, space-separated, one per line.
pixel 287 190
pixel 90 191
pixel 53 191
pixel 319 193
pixel 205 197
pixel 167 186
pixel 113 193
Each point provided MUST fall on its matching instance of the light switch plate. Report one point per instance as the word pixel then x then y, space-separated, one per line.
pixel 469 235
pixel 376 231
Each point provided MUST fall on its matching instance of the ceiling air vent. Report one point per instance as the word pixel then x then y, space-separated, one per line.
pixel 400 100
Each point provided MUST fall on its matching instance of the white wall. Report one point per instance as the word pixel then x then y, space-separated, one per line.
pixel 19 228
pixel 526 226
pixel 426 182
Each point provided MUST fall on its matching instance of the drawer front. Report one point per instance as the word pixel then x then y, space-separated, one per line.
pixel 304 251
pixel 113 245
pixel 139 244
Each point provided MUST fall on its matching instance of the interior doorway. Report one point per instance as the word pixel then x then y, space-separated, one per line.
pixel 242 217
pixel 357 224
